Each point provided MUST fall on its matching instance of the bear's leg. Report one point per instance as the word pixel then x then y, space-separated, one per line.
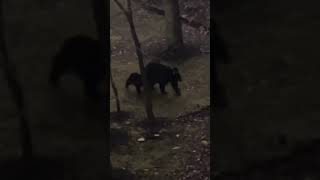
pixel 138 89
pixel 128 84
pixel 162 88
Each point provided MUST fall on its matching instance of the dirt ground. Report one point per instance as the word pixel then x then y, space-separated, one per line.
pixel 182 149
pixel 195 71
pixel 66 128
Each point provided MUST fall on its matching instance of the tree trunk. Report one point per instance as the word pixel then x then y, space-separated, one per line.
pixel 15 87
pixel 148 101
pixel 174 28
pixel 115 90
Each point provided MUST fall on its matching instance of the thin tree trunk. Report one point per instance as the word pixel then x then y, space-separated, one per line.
pixel 174 28
pixel 15 87
pixel 148 102
pixel 115 92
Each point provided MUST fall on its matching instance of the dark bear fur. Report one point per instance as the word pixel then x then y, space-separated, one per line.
pixel 162 75
pixel 156 74
pixel 136 80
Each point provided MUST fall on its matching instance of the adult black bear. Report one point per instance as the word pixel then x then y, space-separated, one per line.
pixel 161 74
pixel 136 80
pixel 81 56
pixel 157 73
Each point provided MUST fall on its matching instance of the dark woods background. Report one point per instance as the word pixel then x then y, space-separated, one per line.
pixel 49 133
pixel 270 130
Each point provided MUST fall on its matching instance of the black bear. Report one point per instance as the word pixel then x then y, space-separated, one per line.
pixel 159 73
pixel 82 56
pixel 156 73
pixel 136 80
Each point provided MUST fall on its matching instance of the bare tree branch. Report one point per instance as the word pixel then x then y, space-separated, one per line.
pixel 148 102
pixel 129 6
pixel 121 7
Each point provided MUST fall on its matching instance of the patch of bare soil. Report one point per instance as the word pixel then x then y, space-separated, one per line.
pixel 179 149
pixel 195 17
pixel 197 158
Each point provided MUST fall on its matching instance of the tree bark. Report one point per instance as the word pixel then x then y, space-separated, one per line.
pixel 16 90
pixel 115 91
pixel 148 101
pixel 174 28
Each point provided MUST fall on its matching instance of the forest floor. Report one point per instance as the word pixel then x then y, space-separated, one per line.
pixel 68 133
pixel 181 151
